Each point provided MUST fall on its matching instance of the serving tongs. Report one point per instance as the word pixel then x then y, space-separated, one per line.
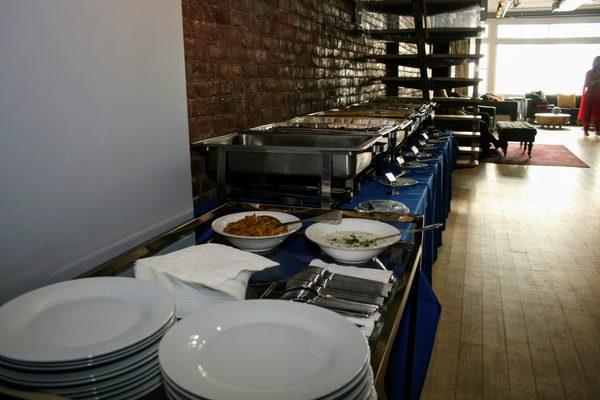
pixel 334 218
pixel 423 229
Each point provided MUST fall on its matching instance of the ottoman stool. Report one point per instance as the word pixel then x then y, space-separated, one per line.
pixel 516 131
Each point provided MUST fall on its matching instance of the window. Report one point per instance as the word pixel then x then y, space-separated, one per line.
pixel 522 31
pixel 548 31
pixel 552 68
pixel 483 69
pixel 551 55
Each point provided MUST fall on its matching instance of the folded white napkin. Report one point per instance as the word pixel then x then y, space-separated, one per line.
pixel 366 325
pixel 198 276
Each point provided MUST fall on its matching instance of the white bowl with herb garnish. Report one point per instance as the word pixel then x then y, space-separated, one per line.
pixel 352 241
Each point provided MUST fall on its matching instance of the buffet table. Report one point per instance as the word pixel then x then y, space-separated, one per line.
pixel 430 197
pixel 401 340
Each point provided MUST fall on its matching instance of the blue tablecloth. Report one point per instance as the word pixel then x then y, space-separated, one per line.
pixel 430 197
pixel 410 355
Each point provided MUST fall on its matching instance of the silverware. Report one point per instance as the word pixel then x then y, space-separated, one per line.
pixel 323 290
pixel 334 218
pixel 347 307
pixel 360 284
pixel 347 285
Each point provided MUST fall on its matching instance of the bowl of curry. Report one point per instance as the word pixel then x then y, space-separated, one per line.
pixel 256 231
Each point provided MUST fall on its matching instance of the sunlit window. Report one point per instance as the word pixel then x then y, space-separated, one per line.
pixel 522 31
pixel 548 31
pixel 573 30
pixel 552 68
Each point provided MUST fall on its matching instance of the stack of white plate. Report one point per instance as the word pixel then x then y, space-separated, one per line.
pixel 91 338
pixel 266 349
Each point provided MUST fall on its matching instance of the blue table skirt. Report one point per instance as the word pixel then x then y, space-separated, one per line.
pixel 430 197
pixel 411 353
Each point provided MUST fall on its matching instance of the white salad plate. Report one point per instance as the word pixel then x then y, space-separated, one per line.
pixel 255 243
pixel 259 349
pixel 82 319
pixel 320 232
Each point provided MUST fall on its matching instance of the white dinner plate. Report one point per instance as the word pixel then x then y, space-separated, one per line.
pixel 94 362
pixel 366 389
pixel 116 385
pixel 79 377
pixel 146 384
pixel 348 392
pixel 136 392
pixel 82 319
pixel 263 348
pixel 111 384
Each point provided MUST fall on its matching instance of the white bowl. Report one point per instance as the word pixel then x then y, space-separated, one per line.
pixel 359 255
pixel 255 243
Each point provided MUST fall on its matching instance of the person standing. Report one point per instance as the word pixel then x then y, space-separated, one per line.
pixel 589 110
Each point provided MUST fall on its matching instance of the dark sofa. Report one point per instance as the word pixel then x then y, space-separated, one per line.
pixel 552 100
pixel 505 107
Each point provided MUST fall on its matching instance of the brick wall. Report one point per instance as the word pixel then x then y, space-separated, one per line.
pixel 250 62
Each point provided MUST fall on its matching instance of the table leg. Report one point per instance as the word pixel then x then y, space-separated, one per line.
pixel 530 148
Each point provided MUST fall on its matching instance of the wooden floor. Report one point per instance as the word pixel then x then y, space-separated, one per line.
pixel 519 281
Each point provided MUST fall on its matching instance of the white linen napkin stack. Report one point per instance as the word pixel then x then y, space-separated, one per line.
pixel 201 275
pixel 366 325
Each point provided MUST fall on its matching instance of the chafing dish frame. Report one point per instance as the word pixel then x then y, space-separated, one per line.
pixel 372 143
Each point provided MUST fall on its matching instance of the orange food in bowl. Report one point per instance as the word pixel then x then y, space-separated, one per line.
pixel 253 225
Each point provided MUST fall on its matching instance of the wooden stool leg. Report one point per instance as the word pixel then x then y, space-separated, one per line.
pixel 530 148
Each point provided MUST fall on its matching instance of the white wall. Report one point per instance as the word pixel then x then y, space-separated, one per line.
pixel 94 153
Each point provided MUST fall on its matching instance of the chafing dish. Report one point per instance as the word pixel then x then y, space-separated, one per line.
pixel 251 156
pixel 394 131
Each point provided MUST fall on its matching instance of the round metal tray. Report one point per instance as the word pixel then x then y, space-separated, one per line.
pixel 383 206
pixel 418 155
pixel 414 164
pixel 400 182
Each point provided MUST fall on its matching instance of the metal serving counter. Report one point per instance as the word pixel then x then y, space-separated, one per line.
pixel 293 255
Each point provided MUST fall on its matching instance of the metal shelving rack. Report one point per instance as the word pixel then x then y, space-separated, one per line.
pixel 430 43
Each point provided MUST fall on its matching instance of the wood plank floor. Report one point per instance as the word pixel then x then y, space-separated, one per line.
pixel 518 277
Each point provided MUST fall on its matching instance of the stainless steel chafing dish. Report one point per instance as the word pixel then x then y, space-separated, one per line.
pixel 330 158
pixel 395 130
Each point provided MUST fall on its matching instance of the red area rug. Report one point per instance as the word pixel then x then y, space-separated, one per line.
pixel 551 155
